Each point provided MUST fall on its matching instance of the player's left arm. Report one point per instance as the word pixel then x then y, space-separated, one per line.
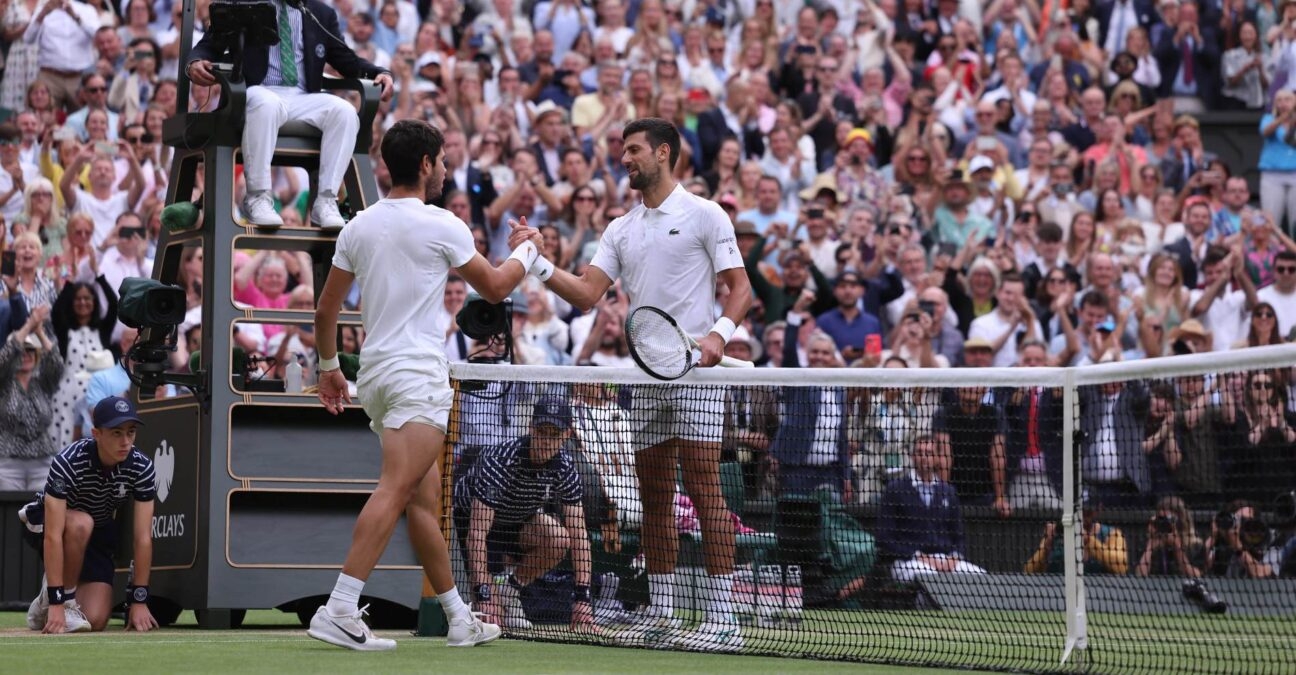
pixel 735 310
pixel 138 616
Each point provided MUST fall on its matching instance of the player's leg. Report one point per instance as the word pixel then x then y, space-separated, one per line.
pixel 544 544
pixel 423 516
pixel 655 467
pixel 95 600
pixel 266 112
pixel 700 462
pixel 338 123
pixel 78 527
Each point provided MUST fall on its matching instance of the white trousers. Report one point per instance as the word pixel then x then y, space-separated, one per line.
pixel 1030 490
pixel 269 108
pixel 24 475
pixel 905 570
pixel 1278 197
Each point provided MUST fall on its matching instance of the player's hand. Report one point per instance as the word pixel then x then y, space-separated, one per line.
pixel 55 623
pixel 712 347
pixel 333 391
pixel 139 618
pixel 521 232
pixel 385 81
pixel 1002 507
pixel 200 73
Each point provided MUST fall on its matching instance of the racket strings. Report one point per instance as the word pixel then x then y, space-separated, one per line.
pixel 658 344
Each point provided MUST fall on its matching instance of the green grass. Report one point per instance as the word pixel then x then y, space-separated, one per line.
pixel 272 642
pixel 1021 641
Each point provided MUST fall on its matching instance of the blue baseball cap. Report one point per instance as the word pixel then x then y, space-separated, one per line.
pixel 1107 326
pixel 113 412
pixel 552 411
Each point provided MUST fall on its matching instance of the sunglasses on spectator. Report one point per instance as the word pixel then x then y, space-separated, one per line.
pixel 1263 314
pixel 1056 280
pixel 1262 384
pixel 584 198
pixel 490 141
pixel 918 158
pixel 1285 269
pixel 96 90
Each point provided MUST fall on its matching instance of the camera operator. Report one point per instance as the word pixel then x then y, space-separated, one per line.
pixel 1173 548
pixel 1285 512
pixel 1238 544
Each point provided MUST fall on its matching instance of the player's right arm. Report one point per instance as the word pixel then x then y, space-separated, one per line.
pixel 55 519
pixel 333 391
pixel 496 283
pixel 583 291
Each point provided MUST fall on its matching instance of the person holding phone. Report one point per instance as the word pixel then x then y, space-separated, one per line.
pixel 850 327
pixel 132 93
pixel 63 32
pixel 127 255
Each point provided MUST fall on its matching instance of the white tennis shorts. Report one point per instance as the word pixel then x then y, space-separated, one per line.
pixel 659 413
pixel 396 396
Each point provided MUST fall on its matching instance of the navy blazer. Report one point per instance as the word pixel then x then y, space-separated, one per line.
pixel 1182 251
pixel 907 526
pixel 1017 412
pixel 1206 62
pixel 1129 418
pixel 318 49
pixel 1145 16
pixel 796 434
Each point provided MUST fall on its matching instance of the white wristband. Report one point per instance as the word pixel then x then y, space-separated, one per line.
pixel 526 253
pixel 725 328
pixel 542 269
pixel 328 364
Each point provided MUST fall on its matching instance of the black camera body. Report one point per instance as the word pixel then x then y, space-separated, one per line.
pixel 146 303
pixel 1164 524
pixel 1254 536
pixel 482 320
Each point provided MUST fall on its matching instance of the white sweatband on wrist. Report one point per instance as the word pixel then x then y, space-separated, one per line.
pixel 542 269
pixel 725 328
pixel 328 364
pixel 526 253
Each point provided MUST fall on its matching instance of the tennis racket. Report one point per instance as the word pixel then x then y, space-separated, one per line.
pixel 662 348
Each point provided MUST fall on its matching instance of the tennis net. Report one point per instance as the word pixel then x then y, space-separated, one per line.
pixel 1126 517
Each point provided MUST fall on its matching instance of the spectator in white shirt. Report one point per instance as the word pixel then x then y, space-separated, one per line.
pixel 64 32
pixel 104 202
pixel 125 255
pixel 1282 294
pixel 1223 304
pixel 1012 315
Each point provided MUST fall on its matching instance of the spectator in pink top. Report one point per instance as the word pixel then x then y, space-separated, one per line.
pixel 264 281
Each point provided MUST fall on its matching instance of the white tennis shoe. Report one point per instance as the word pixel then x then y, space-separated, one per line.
pixel 471 632
pixel 325 214
pixel 74 620
pixel 649 629
pixel 350 632
pixel 258 208
pixel 38 610
pixel 712 636
pixel 512 616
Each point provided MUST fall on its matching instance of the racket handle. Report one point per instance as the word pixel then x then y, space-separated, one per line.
pixel 731 362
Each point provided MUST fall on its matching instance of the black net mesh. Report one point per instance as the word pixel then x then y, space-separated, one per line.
pixel 919 525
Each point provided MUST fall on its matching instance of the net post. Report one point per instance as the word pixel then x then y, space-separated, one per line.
pixel 1076 625
pixel 432 620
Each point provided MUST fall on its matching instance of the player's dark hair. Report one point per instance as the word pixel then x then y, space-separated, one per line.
pixel 658 131
pixel 405 145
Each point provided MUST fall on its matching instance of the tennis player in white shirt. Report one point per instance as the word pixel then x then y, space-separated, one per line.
pixel 401 252
pixel 669 253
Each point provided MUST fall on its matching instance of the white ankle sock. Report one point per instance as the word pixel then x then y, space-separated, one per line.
pixel 454 605
pixel 345 599
pixel 719 592
pixel 661 592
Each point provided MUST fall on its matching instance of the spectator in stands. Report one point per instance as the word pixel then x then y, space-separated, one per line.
pixel 1262 468
pixel 1278 160
pixel 81 327
pixel 1188 156
pixel 920 522
pixel 1033 441
pixel 63 35
pixel 1243 71
pixel 1103 547
pixel 1012 321
pixel 1191 249
pixel 1282 294
pixel 112 381
pixel 970 433
pixel 29 281
pixel 1112 419
pixel 977 353
pixel 1263 328
pixel 848 324
pixel 1173 547
pixel 811 449
pixel 1231 555
pixel 132 93
pixel 501 517
pixel 94 96
pixel 30 370
pixel 1048 250
pixel 912 342
pixel 1222 305
pixel 127 255
pixel 751 422
pixel 103 202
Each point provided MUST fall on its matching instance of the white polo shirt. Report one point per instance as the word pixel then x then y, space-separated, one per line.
pixel 668 257
pixel 401 252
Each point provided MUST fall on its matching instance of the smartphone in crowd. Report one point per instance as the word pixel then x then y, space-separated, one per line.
pixel 873 344
pixel 9 263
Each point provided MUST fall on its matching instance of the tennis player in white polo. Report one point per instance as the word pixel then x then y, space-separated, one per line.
pixel 401 251
pixel 668 253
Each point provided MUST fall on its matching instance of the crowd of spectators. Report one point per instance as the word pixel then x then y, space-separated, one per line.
pixel 913 184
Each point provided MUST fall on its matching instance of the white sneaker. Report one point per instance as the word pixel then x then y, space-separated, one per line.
pixel 347 631
pixel 258 209
pixel 324 212
pixel 38 610
pixel 712 636
pixel 649 629
pixel 471 632
pixel 512 616
pixel 609 612
pixel 74 620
